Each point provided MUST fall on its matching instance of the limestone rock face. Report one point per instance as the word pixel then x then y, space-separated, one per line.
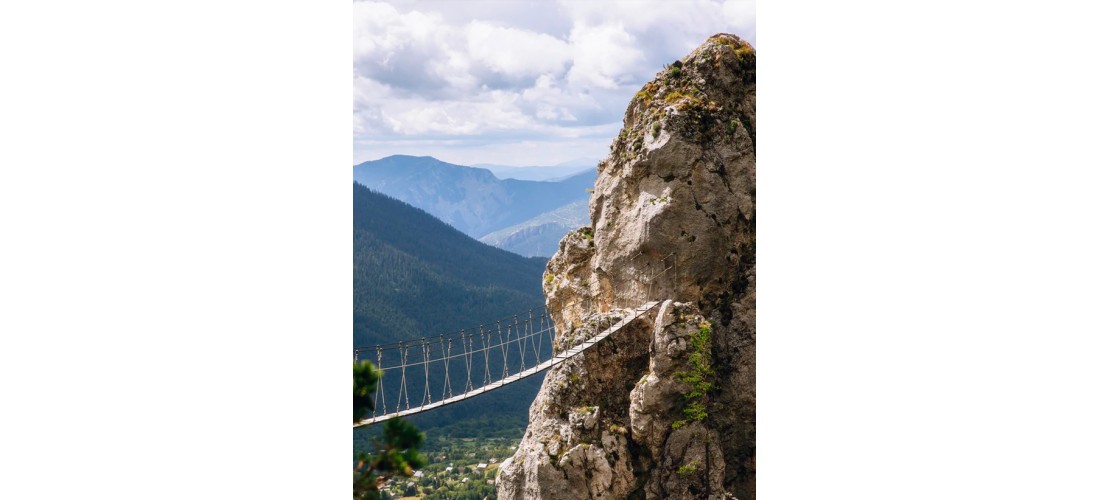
pixel 665 408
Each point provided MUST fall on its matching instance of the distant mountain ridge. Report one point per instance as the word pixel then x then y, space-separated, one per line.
pixel 473 200
pixel 540 235
pixel 539 173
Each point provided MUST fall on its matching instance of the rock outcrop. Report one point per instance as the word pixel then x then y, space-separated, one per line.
pixel 665 408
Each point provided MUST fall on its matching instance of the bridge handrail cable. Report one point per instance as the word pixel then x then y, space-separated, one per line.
pixel 558 355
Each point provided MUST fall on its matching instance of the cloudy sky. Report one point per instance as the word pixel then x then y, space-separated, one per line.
pixel 515 82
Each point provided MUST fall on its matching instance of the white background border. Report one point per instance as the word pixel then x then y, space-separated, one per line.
pixel 175 285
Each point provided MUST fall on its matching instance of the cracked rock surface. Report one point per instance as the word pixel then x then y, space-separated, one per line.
pixel 665 408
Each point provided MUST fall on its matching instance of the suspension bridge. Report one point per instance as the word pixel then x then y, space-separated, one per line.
pixel 423 374
pixel 469 364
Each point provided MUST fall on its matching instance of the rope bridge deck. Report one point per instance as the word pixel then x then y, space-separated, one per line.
pixel 498 347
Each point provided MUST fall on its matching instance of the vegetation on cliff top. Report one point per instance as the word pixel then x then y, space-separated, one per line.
pixel 677 99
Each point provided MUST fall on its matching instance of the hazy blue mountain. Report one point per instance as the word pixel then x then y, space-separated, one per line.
pixel 470 199
pixel 540 173
pixel 540 235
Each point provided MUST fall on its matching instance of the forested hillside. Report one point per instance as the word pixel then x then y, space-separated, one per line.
pixel 416 276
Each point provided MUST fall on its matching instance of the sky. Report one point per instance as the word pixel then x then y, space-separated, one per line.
pixel 516 82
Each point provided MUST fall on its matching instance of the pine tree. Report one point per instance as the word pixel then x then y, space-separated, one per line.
pixel 398 449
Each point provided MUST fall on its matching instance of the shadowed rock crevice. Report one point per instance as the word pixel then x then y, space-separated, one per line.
pixel 666 407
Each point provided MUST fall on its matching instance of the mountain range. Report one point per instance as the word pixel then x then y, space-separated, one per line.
pixel 545 173
pixel 527 217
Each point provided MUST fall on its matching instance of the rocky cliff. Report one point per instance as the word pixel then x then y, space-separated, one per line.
pixel 665 408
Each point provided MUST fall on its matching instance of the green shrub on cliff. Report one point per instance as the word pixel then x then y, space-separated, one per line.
pixel 699 373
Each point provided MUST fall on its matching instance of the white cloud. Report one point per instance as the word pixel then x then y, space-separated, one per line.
pixel 454 69
pixel 368 100
pixel 549 100
pixel 604 56
pixel 489 76
pixel 741 14
pixel 515 52
pixel 492 111
pixel 381 31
